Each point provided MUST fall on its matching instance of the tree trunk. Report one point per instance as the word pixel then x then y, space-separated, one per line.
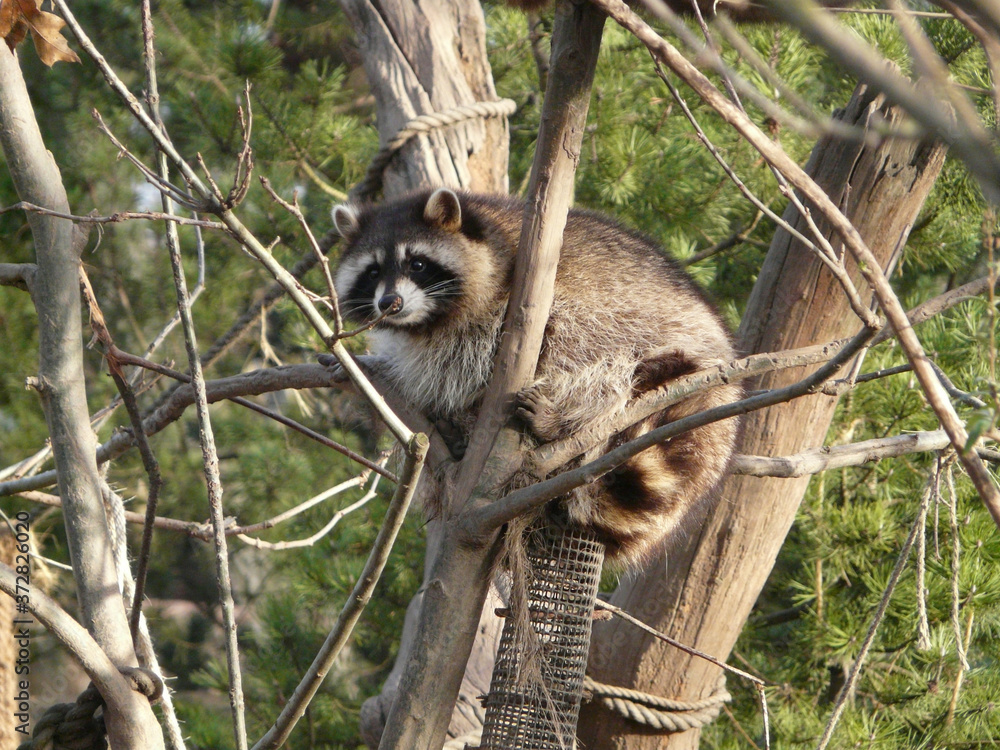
pixel 422 58
pixel 715 577
pixel 429 57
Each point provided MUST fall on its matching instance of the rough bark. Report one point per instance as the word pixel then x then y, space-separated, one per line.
pixel 428 57
pixel 716 575
pixel 56 294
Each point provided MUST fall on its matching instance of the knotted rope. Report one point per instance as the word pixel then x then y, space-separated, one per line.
pixel 75 726
pixel 424 124
pixel 664 714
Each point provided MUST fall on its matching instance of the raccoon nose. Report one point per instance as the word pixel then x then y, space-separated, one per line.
pixel 390 303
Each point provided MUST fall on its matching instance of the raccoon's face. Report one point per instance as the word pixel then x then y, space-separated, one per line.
pixel 411 269
pixel 401 280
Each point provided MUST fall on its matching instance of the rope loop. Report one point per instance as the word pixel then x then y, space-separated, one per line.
pixel 664 714
pixel 372 180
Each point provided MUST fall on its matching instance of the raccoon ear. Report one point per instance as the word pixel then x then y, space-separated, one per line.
pixel 443 210
pixel 345 219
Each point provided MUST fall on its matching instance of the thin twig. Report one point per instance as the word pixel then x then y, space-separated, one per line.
pixel 618 611
pixel 203 531
pixel 210 457
pixel 356 602
pixel 855 671
pixel 956 560
pixel 294 210
pixel 327 528
pixel 116 218
pixel 149 462
pixel 733 240
pixel 152 94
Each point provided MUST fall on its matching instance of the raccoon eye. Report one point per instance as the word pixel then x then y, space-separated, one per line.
pixel 417 265
pixel 373 271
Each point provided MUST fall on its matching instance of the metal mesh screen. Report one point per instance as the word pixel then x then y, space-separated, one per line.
pixel 524 712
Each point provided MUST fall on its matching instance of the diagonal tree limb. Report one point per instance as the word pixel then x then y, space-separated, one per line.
pixel 867 263
pixel 419 716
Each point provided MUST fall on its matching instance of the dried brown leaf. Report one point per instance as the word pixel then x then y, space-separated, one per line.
pixel 50 44
pixel 17 17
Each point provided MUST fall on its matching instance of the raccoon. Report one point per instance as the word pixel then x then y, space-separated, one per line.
pixel 624 320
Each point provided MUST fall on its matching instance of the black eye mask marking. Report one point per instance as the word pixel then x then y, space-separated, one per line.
pixel 439 285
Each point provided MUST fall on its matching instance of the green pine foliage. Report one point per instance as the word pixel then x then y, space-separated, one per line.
pixel 314 134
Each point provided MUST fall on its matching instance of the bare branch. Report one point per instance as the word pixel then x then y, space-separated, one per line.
pixel 866 261
pixel 548 458
pixel 356 602
pixel 521 501
pixel 236 229
pixel 965 137
pixel 294 210
pixel 855 671
pixel 116 218
pixel 203 531
pixel 130 720
pixel 840 456
pixel 149 462
pixel 989 42
pixel 77 641
pixel 619 612
pixel 731 241
pixel 419 718
pixel 20 275
pixel 327 528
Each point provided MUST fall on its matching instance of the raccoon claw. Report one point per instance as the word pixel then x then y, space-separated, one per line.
pixel 539 413
pixel 332 363
pixel 454 437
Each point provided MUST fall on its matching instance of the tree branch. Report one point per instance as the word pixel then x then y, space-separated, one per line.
pixel 239 232
pixel 458 582
pixel 78 642
pixel 521 501
pixel 866 261
pixel 20 275
pixel 839 456
pixel 356 602
pixel 130 721
pixel 965 137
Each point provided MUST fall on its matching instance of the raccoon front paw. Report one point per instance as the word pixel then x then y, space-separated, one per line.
pixel 454 437
pixel 333 364
pixel 540 414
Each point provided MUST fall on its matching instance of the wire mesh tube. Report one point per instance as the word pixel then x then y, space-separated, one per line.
pixel 534 699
